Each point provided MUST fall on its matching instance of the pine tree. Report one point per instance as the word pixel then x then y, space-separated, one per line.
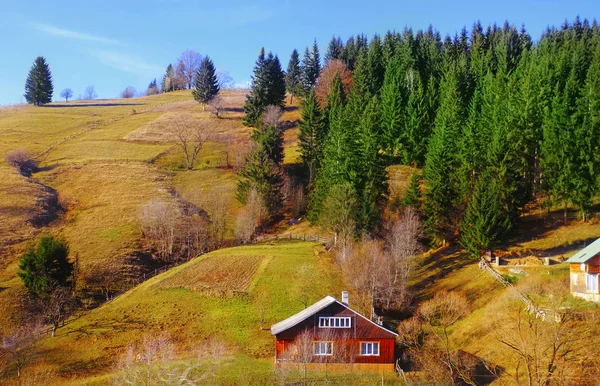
pixel 311 67
pixel 207 86
pixel 338 160
pixel 335 49
pixel 412 197
pixel 256 99
pixel 46 267
pixel 439 170
pixel 38 87
pixel 270 138
pixel 167 82
pixel 393 103
pixel 375 65
pixel 312 134
pixel 293 81
pixel 371 176
pixel 275 87
pixel 417 126
pixel 487 221
pixel 264 175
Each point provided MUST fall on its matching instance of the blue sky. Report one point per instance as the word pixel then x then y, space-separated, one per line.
pixel 112 44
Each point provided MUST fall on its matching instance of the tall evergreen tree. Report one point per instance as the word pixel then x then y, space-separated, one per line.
pixel 293 79
pixel 412 197
pixel 311 66
pixel 312 134
pixel 207 85
pixel 335 49
pixel 376 68
pixel 371 175
pixel 439 170
pixel 270 138
pixel 167 82
pixel 487 221
pixel 393 103
pixel 38 86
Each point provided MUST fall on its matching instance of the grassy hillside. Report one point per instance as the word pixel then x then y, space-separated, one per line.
pixel 219 296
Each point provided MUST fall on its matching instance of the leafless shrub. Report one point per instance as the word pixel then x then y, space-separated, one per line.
pixel 216 105
pixel 190 136
pixel 129 92
pixel 250 218
pixel 53 308
pixel 427 342
pixel 272 116
pixel 295 197
pixel 105 279
pixel 146 364
pixel 90 93
pixel 229 148
pixel 67 201
pixel 174 234
pixel 22 161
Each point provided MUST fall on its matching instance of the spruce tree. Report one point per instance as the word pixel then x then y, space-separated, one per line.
pixel 38 87
pixel 393 105
pixel 275 87
pixel 167 82
pixel 371 176
pixel 312 134
pixel 207 85
pixel 338 160
pixel 264 175
pixel 293 80
pixel 45 267
pixel 417 126
pixel 335 49
pixel 412 196
pixel 487 221
pixel 256 99
pixel 311 67
pixel 375 66
pixel 270 138
pixel 439 170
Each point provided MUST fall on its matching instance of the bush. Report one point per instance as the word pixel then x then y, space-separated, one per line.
pixel 22 160
pixel 129 92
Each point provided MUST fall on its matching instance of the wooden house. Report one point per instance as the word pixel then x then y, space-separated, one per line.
pixel 330 333
pixel 585 270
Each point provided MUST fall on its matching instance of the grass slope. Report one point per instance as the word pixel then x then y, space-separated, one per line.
pixel 177 304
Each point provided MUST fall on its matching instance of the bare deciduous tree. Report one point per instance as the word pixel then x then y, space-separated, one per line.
pixel 191 63
pixel 17 349
pixel 224 80
pixel 250 217
pixel 129 92
pixel 190 136
pixel 272 116
pixel 67 94
pixel 402 244
pixel 216 204
pixel 228 142
pixel 57 306
pixel 22 161
pixel 90 93
pixel 158 219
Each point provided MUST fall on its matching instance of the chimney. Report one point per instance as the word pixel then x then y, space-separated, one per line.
pixel 345 298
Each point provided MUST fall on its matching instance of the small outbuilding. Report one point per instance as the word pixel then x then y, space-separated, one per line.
pixel 330 333
pixel 585 270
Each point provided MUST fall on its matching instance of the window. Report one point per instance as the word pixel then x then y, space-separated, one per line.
pixel 323 348
pixel 574 278
pixel 369 348
pixel 591 282
pixel 334 322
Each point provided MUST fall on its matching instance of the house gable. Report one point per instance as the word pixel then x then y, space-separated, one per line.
pixel 586 253
pixel 309 319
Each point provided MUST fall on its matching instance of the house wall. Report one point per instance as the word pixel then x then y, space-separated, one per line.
pixel 347 339
pixel 578 277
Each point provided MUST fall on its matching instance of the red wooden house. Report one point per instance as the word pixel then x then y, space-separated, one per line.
pixel 331 333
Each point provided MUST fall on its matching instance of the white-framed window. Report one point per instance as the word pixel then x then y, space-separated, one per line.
pixel 369 348
pixel 591 282
pixel 335 322
pixel 323 348
pixel 574 278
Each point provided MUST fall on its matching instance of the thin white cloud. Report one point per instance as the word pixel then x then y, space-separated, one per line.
pixel 70 34
pixel 125 62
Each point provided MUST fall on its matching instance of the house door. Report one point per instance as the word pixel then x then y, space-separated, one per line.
pixel 591 282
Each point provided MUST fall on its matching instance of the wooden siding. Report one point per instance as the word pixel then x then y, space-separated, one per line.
pixel 348 339
pixel 342 367
pixel 578 277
